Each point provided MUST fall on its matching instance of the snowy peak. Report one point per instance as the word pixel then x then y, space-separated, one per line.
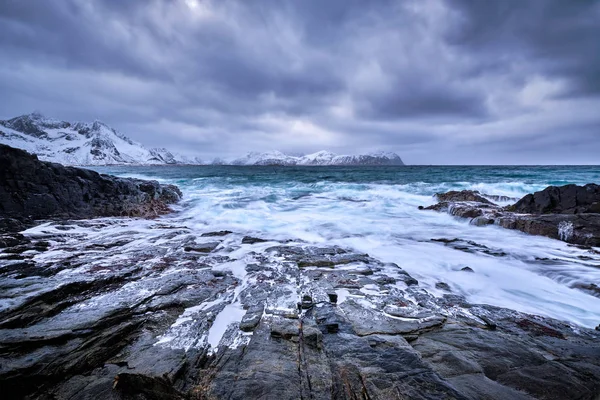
pixel 319 158
pixel 95 143
pixel 80 143
pixel 268 158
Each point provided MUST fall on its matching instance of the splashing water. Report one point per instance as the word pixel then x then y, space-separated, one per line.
pixel 374 210
pixel 565 230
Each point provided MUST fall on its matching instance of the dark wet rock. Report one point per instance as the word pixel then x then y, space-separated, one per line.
pixel 463 195
pixel 407 311
pixel 322 257
pixel 443 286
pixel 31 190
pixel 252 317
pixel 575 228
pixel 316 262
pixel 333 297
pixel 495 197
pixel 469 246
pixel 473 210
pixel 467 269
pixel 285 328
pixel 482 221
pixel 105 246
pixel 216 234
pixel 539 328
pixel 591 288
pixel 252 240
pixel 307 302
pixel 147 322
pixel 568 199
pixel 202 247
pixel 14 224
pixel 13 240
pixel 403 275
pixel 570 213
pixel 147 387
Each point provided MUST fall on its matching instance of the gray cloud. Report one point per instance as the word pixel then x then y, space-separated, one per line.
pixel 438 81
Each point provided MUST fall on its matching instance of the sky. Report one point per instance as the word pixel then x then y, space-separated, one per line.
pixel 436 81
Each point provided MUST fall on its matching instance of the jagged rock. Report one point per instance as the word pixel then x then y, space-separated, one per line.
pixel 568 199
pixel 469 246
pixel 252 240
pixel 33 189
pixel 216 234
pixel 148 387
pixel 125 321
pixel 464 195
pixel 202 247
pixel 81 143
pixel 570 213
pixel 251 319
pixel 285 328
pixel 496 197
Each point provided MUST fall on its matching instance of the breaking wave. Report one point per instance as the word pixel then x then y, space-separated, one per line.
pixel 375 210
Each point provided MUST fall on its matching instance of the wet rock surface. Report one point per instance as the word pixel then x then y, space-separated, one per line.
pixel 109 309
pixel 568 199
pixel 32 190
pixel 570 213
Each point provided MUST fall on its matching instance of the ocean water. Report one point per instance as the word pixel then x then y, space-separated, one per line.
pixel 375 210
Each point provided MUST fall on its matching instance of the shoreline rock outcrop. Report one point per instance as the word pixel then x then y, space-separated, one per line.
pixel 97 309
pixel 570 213
pixel 31 189
pixel 118 318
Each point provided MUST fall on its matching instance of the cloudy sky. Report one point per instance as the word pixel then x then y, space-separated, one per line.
pixel 437 81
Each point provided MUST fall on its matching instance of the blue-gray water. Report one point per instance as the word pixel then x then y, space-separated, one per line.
pixel 374 210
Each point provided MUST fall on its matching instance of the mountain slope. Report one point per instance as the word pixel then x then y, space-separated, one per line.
pixel 319 158
pixel 96 143
pixel 79 143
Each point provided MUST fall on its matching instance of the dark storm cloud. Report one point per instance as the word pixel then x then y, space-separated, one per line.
pixel 435 80
pixel 62 33
pixel 559 38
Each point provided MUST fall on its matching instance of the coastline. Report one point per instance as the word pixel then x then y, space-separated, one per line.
pixel 168 308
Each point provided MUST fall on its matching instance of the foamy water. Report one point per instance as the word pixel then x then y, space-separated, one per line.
pixel 375 210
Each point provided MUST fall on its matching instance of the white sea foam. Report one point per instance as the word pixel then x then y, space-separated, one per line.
pixel 565 230
pixel 535 274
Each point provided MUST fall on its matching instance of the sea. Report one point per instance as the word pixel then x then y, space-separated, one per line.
pixel 374 210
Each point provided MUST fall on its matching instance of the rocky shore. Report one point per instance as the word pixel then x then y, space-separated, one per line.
pixel 115 308
pixel 89 312
pixel 31 190
pixel 570 213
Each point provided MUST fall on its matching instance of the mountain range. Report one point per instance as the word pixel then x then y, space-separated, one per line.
pixel 319 158
pixel 83 143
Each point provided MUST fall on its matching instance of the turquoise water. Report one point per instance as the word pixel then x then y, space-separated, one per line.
pixel 375 210
pixel 427 176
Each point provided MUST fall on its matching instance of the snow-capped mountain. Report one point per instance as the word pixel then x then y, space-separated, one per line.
pixel 319 158
pixel 268 158
pixel 80 143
